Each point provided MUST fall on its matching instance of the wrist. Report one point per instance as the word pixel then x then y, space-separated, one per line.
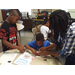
pixel 16 47
pixel 19 44
pixel 46 48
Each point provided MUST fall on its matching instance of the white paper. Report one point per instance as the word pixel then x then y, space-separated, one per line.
pixel 24 59
pixel 6 64
pixel 8 56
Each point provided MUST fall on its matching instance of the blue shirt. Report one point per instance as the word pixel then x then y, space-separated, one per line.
pixel 35 46
pixel 68 43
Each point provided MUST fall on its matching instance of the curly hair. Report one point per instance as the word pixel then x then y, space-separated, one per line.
pixel 59 21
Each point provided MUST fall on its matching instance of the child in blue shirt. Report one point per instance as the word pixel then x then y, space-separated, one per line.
pixel 37 44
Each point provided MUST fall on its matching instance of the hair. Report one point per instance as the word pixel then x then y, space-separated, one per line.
pixel 15 12
pixel 39 37
pixel 59 22
pixel 45 20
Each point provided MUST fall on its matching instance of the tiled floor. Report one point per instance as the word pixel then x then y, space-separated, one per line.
pixel 26 36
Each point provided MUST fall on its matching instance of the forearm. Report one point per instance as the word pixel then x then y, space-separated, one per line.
pixel 54 54
pixel 6 43
pixel 28 47
pixel 51 46
pixel 18 40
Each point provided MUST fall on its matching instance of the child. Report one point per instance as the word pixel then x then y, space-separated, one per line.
pixel 8 32
pixel 64 35
pixel 45 28
pixel 38 43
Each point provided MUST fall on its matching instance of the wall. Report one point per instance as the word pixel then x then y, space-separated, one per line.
pixel 1 19
pixel 36 10
pixel 72 12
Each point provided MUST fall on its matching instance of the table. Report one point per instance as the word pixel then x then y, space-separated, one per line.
pixel 37 60
pixel 38 19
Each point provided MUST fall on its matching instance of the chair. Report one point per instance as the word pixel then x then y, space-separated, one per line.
pixel 35 31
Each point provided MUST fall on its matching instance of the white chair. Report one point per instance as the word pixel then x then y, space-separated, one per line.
pixel 36 31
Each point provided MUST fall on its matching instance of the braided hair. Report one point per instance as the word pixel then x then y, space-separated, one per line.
pixel 59 22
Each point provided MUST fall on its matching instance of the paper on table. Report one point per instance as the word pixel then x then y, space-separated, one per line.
pixel 6 64
pixel 24 59
pixel 8 56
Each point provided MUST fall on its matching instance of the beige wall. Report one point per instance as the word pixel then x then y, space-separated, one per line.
pixel 1 19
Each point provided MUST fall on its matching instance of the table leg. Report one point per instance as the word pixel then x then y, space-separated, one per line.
pixel 19 36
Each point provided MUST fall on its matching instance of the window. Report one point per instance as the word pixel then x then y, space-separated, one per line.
pixel 26 10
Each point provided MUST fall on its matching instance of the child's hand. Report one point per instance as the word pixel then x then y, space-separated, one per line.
pixel 21 49
pixel 34 52
pixel 43 53
pixel 42 48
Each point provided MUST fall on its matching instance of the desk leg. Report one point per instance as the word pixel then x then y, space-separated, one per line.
pixel 19 36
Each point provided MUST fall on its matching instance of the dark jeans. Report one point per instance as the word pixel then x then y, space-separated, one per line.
pixel 70 61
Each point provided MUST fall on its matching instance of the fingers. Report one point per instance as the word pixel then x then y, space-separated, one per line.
pixel 40 49
pixel 43 53
pixel 22 51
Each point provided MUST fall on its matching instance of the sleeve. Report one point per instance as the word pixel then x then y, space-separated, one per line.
pixel 48 30
pixel 67 47
pixel 48 43
pixel 31 44
pixel 3 33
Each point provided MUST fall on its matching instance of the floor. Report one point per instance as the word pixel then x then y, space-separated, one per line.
pixel 25 37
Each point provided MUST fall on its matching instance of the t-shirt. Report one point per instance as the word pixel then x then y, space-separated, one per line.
pixel 35 46
pixel 9 33
pixel 45 30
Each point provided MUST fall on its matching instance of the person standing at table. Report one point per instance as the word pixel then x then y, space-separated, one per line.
pixel 64 35
pixel 8 32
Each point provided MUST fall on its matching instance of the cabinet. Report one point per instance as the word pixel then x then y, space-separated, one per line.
pixel 27 24
pixel 4 14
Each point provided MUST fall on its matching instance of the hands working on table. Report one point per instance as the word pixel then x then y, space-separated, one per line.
pixel 43 51
pixel 21 48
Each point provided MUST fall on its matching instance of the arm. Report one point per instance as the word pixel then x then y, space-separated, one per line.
pixel 68 46
pixel 44 53
pixel 30 48
pixel 48 47
pixel 19 44
pixel 6 43
pixel 18 40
